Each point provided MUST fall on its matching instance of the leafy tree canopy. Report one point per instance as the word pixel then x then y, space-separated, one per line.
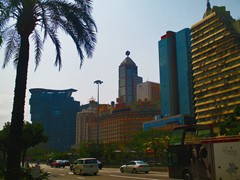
pixel 231 125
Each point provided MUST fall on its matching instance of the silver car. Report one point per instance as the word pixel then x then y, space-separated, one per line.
pixel 85 166
pixel 135 167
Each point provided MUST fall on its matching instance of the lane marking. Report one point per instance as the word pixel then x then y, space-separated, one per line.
pixel 130 177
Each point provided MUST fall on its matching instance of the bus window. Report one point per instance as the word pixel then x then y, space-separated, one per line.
pixel 190 137
pixel 176 137
pixel 204 133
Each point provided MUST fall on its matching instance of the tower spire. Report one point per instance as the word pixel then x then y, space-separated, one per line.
pixel 208 10
pixel 208 5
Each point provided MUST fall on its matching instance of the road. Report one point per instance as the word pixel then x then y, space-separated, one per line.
pixel 104 174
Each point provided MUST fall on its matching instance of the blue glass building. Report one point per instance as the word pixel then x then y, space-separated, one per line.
pixel 128 80
pixel 56 110
pixel 176 73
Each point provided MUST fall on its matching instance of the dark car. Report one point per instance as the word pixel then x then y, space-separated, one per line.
pixel 66 162
pixel 100 165
pixel 50 161
pixel 58 163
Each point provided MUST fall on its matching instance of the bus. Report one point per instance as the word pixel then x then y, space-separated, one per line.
pixel 195 153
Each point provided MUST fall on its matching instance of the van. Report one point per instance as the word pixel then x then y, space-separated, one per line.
pixel 85 166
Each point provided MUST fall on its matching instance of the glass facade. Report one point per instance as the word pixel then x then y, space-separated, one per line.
pixel 175 73
pixel 128 80
pixel 56 110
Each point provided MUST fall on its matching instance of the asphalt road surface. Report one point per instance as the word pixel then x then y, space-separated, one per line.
pixel 104 174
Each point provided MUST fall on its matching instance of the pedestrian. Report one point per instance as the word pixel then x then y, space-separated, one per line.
pixel 204 165
pixel 195 164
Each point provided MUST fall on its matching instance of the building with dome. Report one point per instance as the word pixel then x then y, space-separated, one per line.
pixel 128 80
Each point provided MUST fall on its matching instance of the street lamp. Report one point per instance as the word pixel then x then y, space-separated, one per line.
pixel 98 82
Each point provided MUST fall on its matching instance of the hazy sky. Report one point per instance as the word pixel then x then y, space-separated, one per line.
pixel 134 25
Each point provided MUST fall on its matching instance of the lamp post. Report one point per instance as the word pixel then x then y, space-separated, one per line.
pixel 98 82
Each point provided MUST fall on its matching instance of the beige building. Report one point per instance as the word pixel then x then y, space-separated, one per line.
pixel 148 90
pixel 84 120
pixel 216 65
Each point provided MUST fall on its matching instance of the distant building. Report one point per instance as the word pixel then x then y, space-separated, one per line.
pixel 176 73
pixel 168 123
pixel 148 90
pixel 216 65
pixel 176 95
pixel 84 120
pixel 56 110
pixel 128 80
pixel 122 125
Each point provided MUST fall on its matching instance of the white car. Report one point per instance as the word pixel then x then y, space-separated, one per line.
pixel 85 166
pixel 135 167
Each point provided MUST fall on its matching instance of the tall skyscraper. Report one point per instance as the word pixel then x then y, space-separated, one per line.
pixel 56 110
pixel 128 80
pixel 216 65
pixel 175 73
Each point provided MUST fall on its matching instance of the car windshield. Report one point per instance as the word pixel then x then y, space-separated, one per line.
pixel 90 161
pixel 140 162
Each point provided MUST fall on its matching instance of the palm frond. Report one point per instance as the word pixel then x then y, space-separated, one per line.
pixel 38 47
pixel 77 23
pixel 12 45
pixel 56 42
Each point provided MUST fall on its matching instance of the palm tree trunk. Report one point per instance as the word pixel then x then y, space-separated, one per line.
pixel 15 135
pixel 24 151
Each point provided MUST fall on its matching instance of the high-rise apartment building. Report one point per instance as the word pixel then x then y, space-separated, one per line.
pixel 56 110
pixel 148 90
pixel 176 73
pixel 216 65
pixel 128 80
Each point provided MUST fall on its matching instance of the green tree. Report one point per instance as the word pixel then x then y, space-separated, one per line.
pixel 33 134
pixel 3 148
pixel 154 140
pixel 231 125
pixel 28 18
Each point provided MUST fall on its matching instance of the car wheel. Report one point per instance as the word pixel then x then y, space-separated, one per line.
pixel 146 172
pixel 94 174
pixel 187 175
pixel 135 171
pixel 121 170
pixel 80 172
pixel 74 172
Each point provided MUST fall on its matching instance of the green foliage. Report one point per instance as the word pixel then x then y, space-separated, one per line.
pixel 231 125
pixel 27 173
pixel 3 148
pixel 91 149
pixel 154 141
pixel 32 136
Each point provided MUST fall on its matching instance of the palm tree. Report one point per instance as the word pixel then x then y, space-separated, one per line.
pixel 22 19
